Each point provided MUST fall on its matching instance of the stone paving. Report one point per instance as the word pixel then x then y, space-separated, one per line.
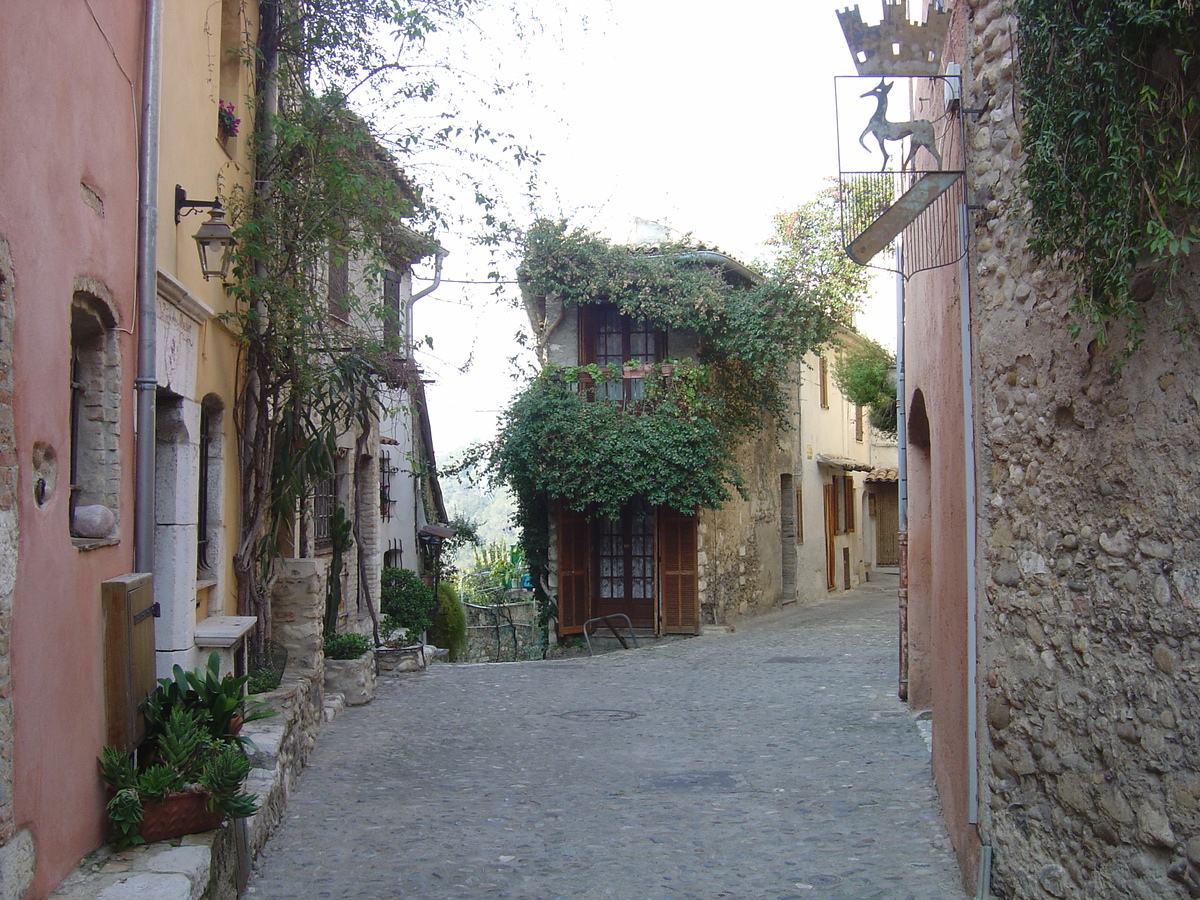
pixel 771 762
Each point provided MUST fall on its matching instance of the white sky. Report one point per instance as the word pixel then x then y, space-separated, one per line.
pixel 706 120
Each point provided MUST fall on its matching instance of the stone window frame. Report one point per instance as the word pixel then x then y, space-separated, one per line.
pixel 94 377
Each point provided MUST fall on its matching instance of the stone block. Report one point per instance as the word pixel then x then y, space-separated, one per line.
pixel 354 679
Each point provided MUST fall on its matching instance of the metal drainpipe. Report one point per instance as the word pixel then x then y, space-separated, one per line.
pixel 901 476
pixel 147 291
pixel 439 257
pixel 964 315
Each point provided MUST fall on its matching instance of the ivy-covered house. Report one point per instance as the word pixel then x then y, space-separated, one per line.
pixel 660 456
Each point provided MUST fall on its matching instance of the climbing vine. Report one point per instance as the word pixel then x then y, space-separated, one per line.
pixel 1111 99
pixel 328 197
pixel 562 442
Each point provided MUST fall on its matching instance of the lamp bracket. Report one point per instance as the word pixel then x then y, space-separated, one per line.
pixel 182 202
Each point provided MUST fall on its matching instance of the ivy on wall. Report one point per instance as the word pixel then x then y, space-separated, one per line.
pixel 1111 101
pixel 560 442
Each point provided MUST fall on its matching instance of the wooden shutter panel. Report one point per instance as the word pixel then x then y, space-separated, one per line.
pixel 574 580
pixel 391 305
pixel 848 484
pixel 678 581
pixel 830 492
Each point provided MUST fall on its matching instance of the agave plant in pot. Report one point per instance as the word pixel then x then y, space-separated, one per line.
pixel 220 699
pixel 191 782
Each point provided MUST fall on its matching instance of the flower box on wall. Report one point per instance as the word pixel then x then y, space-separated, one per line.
pixel 177 815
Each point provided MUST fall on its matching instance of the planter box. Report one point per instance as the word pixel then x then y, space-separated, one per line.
pixel 354 679
pixel 177 815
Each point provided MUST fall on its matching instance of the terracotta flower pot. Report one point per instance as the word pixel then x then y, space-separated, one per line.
pixel 178 814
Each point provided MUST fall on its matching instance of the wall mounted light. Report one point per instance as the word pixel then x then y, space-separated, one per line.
pixel 214 240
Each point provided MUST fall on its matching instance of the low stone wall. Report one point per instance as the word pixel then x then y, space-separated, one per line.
pixel 354 679
pixel 506 632
pixel 283 744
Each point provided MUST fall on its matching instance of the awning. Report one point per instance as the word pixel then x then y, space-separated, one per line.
pixel 843 462
pixel 883 475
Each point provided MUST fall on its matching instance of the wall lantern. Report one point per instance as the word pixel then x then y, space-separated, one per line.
pixel 214 240
pixel 432 537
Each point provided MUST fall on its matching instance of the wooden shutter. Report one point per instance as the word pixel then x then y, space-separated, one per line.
pixel 830 492
pixel 574 580
pixel 391 305
pixel 848 485
pixel 678 581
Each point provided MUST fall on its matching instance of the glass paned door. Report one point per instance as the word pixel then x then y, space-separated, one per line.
pixel 625 567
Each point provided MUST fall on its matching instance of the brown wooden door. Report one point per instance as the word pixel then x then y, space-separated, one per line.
pixel 624 573
pixel 573 571
pixel 887 526
pixel 830 491
pixel 678 588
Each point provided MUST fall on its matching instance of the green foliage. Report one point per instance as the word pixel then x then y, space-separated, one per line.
pixel 340 533
pixel 189 758
pixel 594 456
pixel 328 193
pixel 215 699
pixel 345 646
pixel 1111 105
pixel 407 600
pixel 497 569
pixel 861 373
pixel 810 248
pixel 263 679
pixel 560 441
pixel 449 622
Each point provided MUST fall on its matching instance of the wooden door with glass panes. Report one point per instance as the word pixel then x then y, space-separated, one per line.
pixel 625 566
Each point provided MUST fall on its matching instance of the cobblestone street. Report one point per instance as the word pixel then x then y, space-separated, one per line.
pixel 772 762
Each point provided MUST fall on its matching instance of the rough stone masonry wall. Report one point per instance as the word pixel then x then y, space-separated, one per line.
pixel 740 557
pixel 1089 555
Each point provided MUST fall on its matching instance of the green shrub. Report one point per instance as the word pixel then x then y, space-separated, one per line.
pixel 407 599
pixel 449 623
pixel 346 646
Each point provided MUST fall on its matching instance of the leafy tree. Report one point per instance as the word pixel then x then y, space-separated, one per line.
pixel 558 445
pixel 809 248
pixel 861 373
pixel 327 192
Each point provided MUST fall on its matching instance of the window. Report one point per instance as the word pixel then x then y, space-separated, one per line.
pixel 210 462
pixel 823 368
pixel 95 380
pixel 608 338
pixel 386 471
pixel 339 285
pixel 393 324
pixel 843 496
pixel 325 504
pixel 858 423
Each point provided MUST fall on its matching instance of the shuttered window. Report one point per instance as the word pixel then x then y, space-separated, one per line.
pixel 573 571
pixel 678 573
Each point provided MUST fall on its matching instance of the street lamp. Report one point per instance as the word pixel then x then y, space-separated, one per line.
pixel 432 537
pixel 214 240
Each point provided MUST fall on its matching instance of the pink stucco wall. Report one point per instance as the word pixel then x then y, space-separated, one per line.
pixel 938 573
pixel 70 86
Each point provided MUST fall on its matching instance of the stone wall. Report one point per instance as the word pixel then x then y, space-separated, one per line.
pixel 504 633
pixel 1089 559
pixel 298 609
pixel 739 548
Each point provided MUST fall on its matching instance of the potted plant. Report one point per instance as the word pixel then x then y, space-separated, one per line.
pixel 191 782
pixel 227 120
pixel 350 667
pixel 221 699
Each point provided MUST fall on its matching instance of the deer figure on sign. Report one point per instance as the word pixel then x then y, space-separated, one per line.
pixel 920 130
